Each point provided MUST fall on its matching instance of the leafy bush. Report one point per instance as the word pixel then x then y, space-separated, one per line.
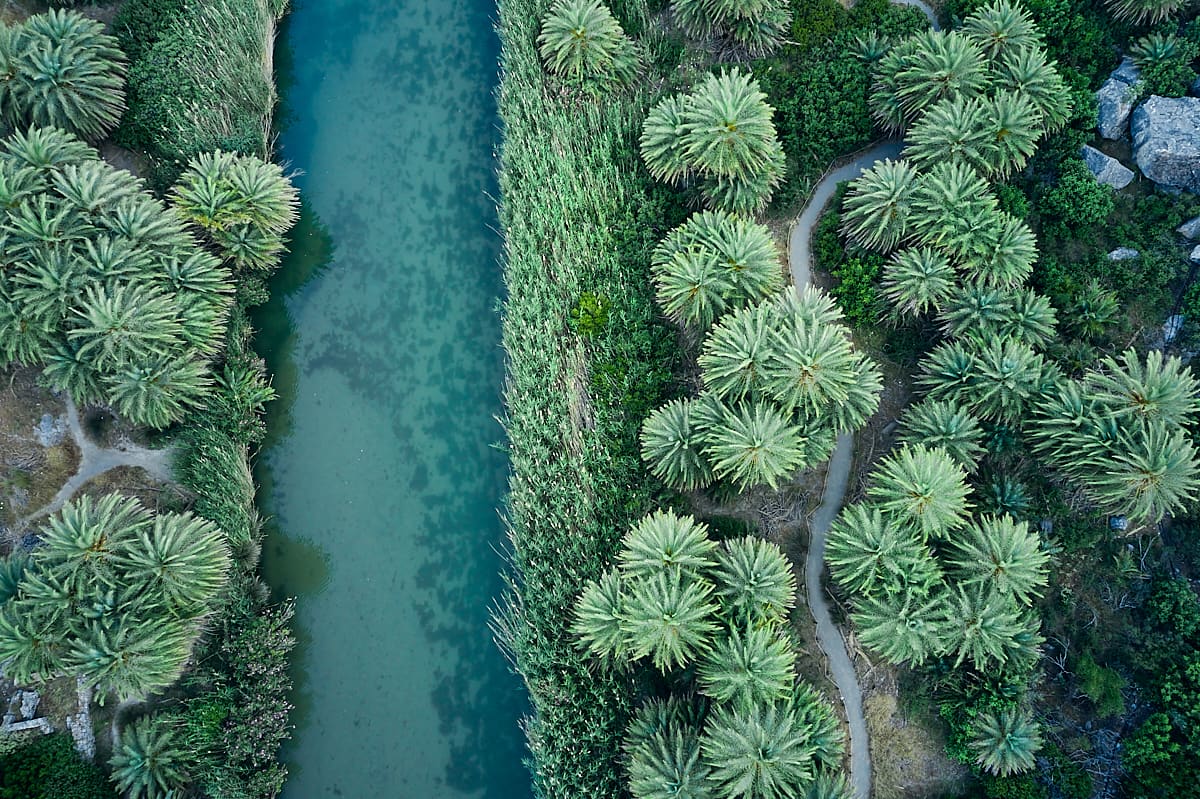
pixel 1102 685
pixel 1076 202
pixel 50 768
pixel 857 279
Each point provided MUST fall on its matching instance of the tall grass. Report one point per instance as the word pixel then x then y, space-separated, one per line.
pixel 578 216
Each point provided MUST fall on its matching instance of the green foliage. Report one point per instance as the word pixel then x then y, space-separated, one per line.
pixel 48 767
pixel 869 555
pixel 922 488
pixel 200 86
pixel 876 212
pixel 1076 201
pixel 722 134
pixel 748 669
pixel 757 26
pixel 857 276
pixel 945 425
pixel 1001 556
pixel 580 40
pixel 62 70
pixel 758 754
pixel 108 290
pixel 1144 11
pixel 242 204
pixel 589 317
pixel 1102 685
pixel 755 585
pixel 114 594
pixel 917 281
pixel 1005 743
pixel 147 760
pixel 572 493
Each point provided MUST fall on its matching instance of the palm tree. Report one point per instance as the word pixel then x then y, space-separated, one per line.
pixel 1000 555
pixel 598 617
pixel 917 281
pixel 1000 27
pixel 181 560
pixel 691 287
pixel 12 571
pixel 828 786
pixel 1002 254
pixel 748 193
pixel 663 138
pixel 668 619
pixel 955 129
pixel 1014 125
pixel 756 445
pixel 813 370
pixel 941 65
pixel 1005 743
pixel 1092 310
pixel 981 626
pixel 124 325
pixel 148 760
pixel 808 306
pixel 876 209
pixel 754 582
pixel 157 390
pixel 667 765
pixel 923 488
pixel 1010 374
pixel 824 729
pixel 1156 48
pixel 756 753
pixel 948 373
pixel 727 126
pixel 1148 475
pixel 93 186
pixel 748 669
pixel 580 39
pixel 130 657
pixel 46 149
pixel 68 73
pixel 869 555
pixel 33 646
pixel 975 312
pixel 671 446
pixel 713 262
pixel 1025 70
pixel 757 25
pixel 946 425
pixel 87 537
pixel 1004 495
pixel 1144 12
pixel 1161 389
pixel 950 207
pixel 903 629
pixel 659 716
pixel 662 542
pixel 737 352
pixel 1032 320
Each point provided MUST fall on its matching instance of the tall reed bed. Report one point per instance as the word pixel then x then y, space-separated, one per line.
pixel 587 360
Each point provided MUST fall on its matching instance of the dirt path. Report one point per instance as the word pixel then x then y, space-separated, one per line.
pixel 829 637
pixel 96 460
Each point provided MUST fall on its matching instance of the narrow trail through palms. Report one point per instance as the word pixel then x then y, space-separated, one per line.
pixel 837 476
pixel 95 460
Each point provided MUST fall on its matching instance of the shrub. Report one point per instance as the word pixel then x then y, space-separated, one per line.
pixel 50 768
pixel 1102 685
pixel 1075 202
pixel 857 281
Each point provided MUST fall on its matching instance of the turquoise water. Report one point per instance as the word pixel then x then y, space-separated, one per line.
pixel 380 471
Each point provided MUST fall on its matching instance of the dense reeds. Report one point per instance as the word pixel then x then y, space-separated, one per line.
pixel 577 213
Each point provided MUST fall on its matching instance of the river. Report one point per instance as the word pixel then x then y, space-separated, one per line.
pixel 379 472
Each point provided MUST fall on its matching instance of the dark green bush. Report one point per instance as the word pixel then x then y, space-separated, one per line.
pixel 855 291
pixel 49 768
pixel 1018 786
pixel 815 21
pixel 1075 203
pixel 1102 685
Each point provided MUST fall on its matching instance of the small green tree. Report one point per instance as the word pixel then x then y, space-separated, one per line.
pixel 945 425
pixel 581 40
pixel 1002 556
pixel 922 488
pixel 1005 743
pixel 760 753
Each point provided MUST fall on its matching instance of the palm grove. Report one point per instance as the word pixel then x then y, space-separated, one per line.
pixel 940 556
pixel 124 299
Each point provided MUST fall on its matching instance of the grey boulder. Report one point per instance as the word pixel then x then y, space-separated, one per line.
pixel 1166 141
pixel 1108 171
pixel 1115 100
pixel 1123 254
pixel 1190 229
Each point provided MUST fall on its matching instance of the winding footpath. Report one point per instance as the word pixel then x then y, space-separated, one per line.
pixel 837 476
pixel 96 460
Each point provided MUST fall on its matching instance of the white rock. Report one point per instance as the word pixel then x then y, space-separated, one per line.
pixel 1172 327
pixel 1123 254
pixel 1190 229
pixel 1194 255
pixel 1114 105
pixel 29 703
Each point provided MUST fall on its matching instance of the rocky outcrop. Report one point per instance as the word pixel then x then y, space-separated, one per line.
pixel 1166 141
pixel 1108 171
pixel 1115 100
pixel 1123 254
pixel 1190 229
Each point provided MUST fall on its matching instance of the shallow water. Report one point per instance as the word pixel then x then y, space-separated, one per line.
pixel 379 470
